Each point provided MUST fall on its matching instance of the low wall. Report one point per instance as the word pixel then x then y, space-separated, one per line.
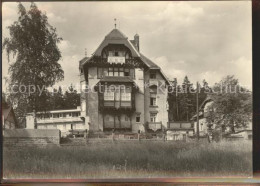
pixel 29 137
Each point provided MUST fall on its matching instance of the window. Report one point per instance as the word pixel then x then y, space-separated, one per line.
pixel 75 114
pixel 153 117
pixel 121 71
pixel 138 118
pixel 107 118
pixel 116 53
pixel 115 71
pixel 110 72
pixel 55 115
pixel 153 101
pixel 64 127
pixel 152 75
pixel 105 71
pixel 109 96
pixel 125 96
pixel 81 71
pixel 110 53
pixel 127 72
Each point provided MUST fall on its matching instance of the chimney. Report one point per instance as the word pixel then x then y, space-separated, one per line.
pixel 136 40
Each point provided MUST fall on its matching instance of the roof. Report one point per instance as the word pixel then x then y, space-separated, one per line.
pixel 116 34
pixel 116 79
pixel 148 62
pixel 202 105
pixel 82 61
pixel 6 112
pixel 116 37
pixel 56 111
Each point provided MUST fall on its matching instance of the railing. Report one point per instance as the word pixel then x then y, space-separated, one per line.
pixel 155 126
pixel 153 82
pixel 57 120
pixel 115 59
pixel 117 104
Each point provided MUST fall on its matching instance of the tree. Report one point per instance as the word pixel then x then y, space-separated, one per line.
pixel 33 42
pixel 72 98
pixel 232 104
pixel 186 100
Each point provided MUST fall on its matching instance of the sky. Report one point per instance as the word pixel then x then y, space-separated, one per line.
pixel 203 40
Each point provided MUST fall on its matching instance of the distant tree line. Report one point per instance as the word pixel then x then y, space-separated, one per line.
pixel 232 102
pixel 182 99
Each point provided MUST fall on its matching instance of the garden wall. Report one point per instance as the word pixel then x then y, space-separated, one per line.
pixel 29 137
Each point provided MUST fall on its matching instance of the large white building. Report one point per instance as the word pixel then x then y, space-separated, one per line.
pixel 64 120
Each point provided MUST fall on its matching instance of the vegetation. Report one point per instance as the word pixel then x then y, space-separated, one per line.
pixel 232 104
pixel 131 160
pixel 33 43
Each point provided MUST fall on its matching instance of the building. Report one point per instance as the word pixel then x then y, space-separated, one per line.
pixel 64 120
pixel 205 110
pixel 8 118
pixel 179 130
pixel 121 89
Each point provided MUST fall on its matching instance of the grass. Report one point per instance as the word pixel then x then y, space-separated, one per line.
pixel 131 160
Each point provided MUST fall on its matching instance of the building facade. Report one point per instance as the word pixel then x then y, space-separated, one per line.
pixel 64 120
pixel 121 89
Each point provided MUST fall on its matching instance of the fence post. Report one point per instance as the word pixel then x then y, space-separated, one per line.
pixel 113 135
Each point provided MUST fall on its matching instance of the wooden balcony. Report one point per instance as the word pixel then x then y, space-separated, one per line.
pixel 153 82
pixel 118 104
pixel 155 126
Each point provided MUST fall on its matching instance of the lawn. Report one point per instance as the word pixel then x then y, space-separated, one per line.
pixel 131 160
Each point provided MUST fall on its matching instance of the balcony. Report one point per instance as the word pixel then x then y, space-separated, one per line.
pixel 116 59
pixel 58 120
pixel 153 82
pixel 118 104
pixel 155 126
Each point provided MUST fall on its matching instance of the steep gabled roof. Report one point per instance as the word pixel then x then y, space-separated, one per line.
pixel 116 37
pixel 148 62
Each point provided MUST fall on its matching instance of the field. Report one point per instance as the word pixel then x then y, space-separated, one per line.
pixel 131 160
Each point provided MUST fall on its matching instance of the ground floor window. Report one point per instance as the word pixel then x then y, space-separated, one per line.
pixel 138 118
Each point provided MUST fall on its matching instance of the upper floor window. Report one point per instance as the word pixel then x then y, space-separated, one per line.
pixel 153 101
pixel 109 96
pixel 115 71
pixel 152 75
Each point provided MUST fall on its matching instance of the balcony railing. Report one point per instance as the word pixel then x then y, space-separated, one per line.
pixel 58 120
pixel 116 59
pixel 155 126
pixel 153 82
